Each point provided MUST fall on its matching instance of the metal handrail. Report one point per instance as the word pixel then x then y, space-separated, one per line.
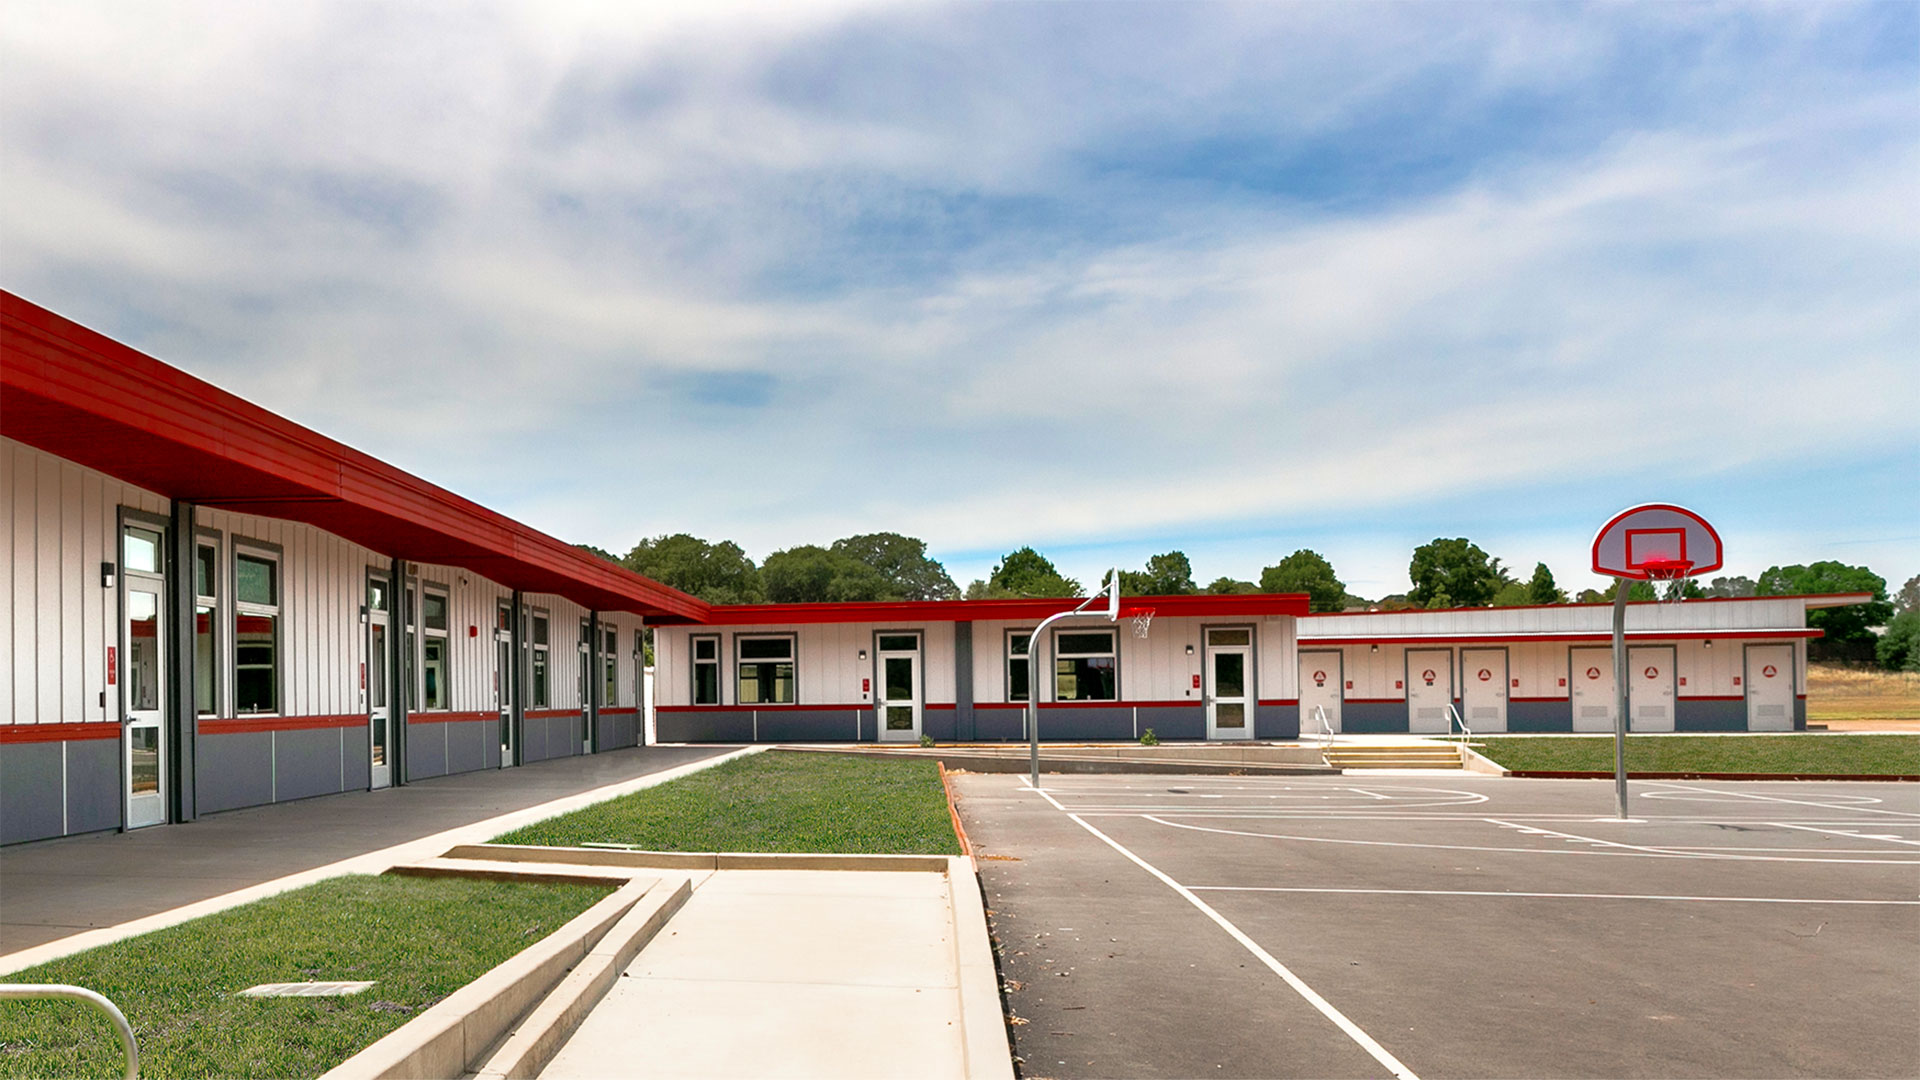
pixel 1454 717
pixel 19 991
pixel 1326 727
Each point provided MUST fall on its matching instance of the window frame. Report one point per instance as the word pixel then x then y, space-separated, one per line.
pixel 216 540
pixel 1113 652
pixel 610 667
pixel 1008 656
pixel 539 659
pixel 444 635
pixel 259 550
pixel 694 664
pixel 792 659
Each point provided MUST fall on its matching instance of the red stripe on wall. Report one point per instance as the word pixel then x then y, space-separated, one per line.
pixel 36 733
pixel 542 714
pixel 1534 700
pixel 240 725
pixel 1279 701
pixel 1469 639
pixel 617 712
pixel 1089 704
pixel 451 717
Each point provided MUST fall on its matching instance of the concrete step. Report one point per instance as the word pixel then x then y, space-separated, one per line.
pixel 1393 757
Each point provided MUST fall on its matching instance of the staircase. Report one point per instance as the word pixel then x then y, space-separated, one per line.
pixel 1412 756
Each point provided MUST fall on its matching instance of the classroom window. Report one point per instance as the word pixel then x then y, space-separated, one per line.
pixel 434 650
pixel 706 671
pixel 765 672
pixel 586 660
pixel 206 652
pixel 609 657
pixel 1018 644
pixel 540 650
pixel 1083 666
pixel 256 638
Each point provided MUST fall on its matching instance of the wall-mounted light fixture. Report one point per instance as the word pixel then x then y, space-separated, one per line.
pixel 106 575
pixel 1709 643
pixel 1373 648
pixel 1189 648
pixel 363 613
pixel 863 654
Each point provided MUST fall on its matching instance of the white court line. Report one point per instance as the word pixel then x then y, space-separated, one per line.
pixel 1848 835
pixel 1552 895
pixel 1353 1030
pixel 1796 802
pixel 1370 794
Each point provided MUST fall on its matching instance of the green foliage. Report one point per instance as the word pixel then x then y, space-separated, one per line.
pixel 1306 572
pixel 926 740
pixel 1456 570
pixel 1166 575
pixel 1226 586
pixel 719 573
pixel 1730 586
pixel 1899 648
pixel 1645 591
pixel 1513 594
pixel 810 574
pixel 1593 596
pixel 418 939
pixel 600 553
pixel 774 801
pixel 1024 574
pixel 1541 588
pixel 1908 599
pixel 1852 623
pixel 1857 755
pixel 1396 602
pixel 902 562
pixel 1148 738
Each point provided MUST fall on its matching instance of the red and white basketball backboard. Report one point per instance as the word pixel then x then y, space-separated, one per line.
pixel 1654 541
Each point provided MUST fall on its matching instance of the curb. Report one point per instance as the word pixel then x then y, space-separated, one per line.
pixel 443 1040
pixel 694 860
pixel 1474 761
pixel 983 1025
pixel 1571 774
pixel 953 811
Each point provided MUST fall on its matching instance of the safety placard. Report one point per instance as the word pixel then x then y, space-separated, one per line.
pixel 1319 678
pixel 1485 675
pixel 1428 675
pixel 1653 672
pixel 1769 671
pixel 1593 673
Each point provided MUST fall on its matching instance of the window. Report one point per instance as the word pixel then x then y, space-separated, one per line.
pixel 1083 666
pixel 765 671
pixel 540 646
pixel 140 550
pixel 1018 642
pixel 206 653
pixel 610 692
pixel 433 650
pixel 586 661
pixel 706 671
pixel 256 639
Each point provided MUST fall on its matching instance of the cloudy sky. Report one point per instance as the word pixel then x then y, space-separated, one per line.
pixel 1106 279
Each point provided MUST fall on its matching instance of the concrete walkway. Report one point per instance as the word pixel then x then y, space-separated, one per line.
pixel 57 888
pixel 782 973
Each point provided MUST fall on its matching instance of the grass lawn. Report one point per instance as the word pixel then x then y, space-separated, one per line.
pixel 420 939
pixel 1878 755
pixel 774 801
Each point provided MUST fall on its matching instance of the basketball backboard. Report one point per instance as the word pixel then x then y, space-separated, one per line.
pixel 1653 541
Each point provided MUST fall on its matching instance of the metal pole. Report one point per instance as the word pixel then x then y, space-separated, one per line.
pixel 1620 693
pixel 1033 686
pixel 27 991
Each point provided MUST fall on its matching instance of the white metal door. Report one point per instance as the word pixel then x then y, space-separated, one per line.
pixel 143 682
pixel 1590 681
pixel 1770 690
pixel 899 697
pixel 1229 684
pixel 1650 687
pixel 379 699
pixel 1322 688
pixel 1429 691
pixel 1483 689
pixel 504 672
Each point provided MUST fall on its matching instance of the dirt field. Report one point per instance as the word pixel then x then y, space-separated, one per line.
pixel 1848 698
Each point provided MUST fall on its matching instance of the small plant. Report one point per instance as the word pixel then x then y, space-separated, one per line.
pixel 1148 738
pixel 926 740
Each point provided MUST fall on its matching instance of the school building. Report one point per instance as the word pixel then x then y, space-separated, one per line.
pixel 212 607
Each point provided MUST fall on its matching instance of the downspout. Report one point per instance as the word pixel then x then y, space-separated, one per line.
pixel 397 688
pixel 182 698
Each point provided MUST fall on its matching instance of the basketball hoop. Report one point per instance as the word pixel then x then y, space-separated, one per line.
pixel 1142 621
pixel 1671 573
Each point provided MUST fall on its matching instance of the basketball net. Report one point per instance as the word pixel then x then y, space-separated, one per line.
pixel 1142 621
pixel 1672 576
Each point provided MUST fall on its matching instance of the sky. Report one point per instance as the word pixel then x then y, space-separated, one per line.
pixel 1105 279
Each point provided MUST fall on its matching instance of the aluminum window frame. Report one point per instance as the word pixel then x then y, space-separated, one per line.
pixel 539 658
pixel 693 670
pixel 444 634
pixel 216 615
pixel 1007 661
pixel 259 550
pixel 792 659
pixel 1057 655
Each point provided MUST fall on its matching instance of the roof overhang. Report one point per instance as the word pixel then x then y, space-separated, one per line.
pixel 89 399
pixel 901 612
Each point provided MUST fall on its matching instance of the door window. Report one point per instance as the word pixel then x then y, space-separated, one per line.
pixel 143 651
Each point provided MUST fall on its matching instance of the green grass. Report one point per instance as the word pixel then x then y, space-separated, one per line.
pixel 420 939
pixel 1876 755
pixel 774 801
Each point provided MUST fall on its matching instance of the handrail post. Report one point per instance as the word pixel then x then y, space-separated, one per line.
pixel 26 991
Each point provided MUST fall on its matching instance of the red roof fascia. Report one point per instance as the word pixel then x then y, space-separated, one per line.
pixel 82 396
pixel 1829 600
pixel 1469 639
pixel 909 611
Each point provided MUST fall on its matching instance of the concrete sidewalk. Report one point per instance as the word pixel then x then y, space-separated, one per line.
pixel 792 973
pixel 56 888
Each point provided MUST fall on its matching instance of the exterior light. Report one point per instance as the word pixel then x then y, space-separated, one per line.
pixel 1189 648
pixel 863 653
pixel 1374 647
pixel 106 575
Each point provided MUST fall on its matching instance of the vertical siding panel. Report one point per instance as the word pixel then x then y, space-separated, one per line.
pixel 93 605
pixel 9 511
pixel 47 591
pixel 72 598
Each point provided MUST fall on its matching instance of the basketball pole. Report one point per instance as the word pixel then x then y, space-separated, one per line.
pixel 1623 586
pixel 1033 668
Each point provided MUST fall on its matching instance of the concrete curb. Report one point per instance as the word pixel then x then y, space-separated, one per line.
pixel 1636 774
pixel 1474 761
pixel 442 1041
pixel 983 1026
pixel 694 860
pixel 529 1047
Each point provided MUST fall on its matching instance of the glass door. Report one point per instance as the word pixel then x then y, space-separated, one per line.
pixel 143 667
pixel 1229 700
pixel 899 701
pixel 503 675
pixel 379 685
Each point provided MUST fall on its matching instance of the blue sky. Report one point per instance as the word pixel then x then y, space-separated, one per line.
pixel 1106 279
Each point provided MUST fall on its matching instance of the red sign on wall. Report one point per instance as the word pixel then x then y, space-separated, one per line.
pixel 1485 674
pixel 1769 671
pixel 113 665
pixel 1593 673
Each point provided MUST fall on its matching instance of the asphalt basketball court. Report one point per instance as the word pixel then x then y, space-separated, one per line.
pixel 1452 925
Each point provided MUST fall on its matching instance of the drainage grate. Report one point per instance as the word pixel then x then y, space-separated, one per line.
pixel 306 989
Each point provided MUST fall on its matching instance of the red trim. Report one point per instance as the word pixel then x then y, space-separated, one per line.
pixel 1642 575
pixel 437 717
pixel 38 733
pixel 1373 701
pixel 84 397
pixel 1841 600
pixel 938 705
pixel 618 712
pixel 1712 697
pixel 911 611
pixel 545 714
pixel 1468 640
pixel 1282 701
pixel 240 725
pixel 1538 700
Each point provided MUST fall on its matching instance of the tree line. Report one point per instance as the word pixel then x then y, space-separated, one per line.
pixel 1446 573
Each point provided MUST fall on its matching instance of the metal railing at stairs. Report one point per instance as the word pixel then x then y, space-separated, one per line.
pixel 27 991
pixel 1454 719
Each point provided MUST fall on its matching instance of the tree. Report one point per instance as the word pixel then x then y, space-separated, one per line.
pixel 599 552
pixel 1455 568
pixel 1899 648
pixel 810 574
pixel 1513 594
pixel 1226 586
pixel 1024 573
pixel 1541 589
pixel 1166 575
pixel 902 562
pixel 1850 625
pixel 719 573
pixel 1306 572
pixel 1908 598
pixel 1730 587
